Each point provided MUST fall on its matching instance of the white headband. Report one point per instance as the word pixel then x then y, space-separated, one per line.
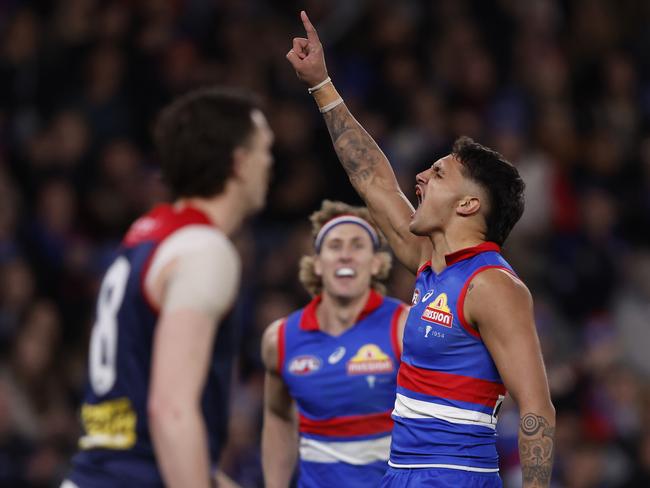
pixel 346 219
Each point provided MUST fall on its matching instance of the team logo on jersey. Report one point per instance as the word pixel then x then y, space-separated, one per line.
pixel 438 312
pixel 370 359
pixel 303 365
pixel 416 297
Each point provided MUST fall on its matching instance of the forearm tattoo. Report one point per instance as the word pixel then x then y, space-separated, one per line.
pixel 357 151
pixel 536 437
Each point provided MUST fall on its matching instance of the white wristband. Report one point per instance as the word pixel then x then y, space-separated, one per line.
pixel 319 85
pixel 331 106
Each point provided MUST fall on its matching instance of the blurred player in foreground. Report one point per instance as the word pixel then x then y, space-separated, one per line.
pixel 336 360
pixel 155 408
pixel 470 334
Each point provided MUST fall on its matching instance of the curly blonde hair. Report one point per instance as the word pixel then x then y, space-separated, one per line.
pixel 329 210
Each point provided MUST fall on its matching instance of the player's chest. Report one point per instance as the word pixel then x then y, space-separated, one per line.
pixel 432 325
pixel 320 364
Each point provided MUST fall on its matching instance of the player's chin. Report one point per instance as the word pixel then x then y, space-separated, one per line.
pixel 416 227
pixel 345 289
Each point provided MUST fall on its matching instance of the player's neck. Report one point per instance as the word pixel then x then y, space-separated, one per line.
pixel 449 242
pixel 336 315
pixel 222 211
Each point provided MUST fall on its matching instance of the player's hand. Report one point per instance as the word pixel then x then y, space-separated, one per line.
pixel 306 56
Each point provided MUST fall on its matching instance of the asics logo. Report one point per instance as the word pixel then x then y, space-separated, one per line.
pixel 336 356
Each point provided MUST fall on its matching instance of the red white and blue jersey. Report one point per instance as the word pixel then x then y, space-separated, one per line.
pixel 344 389
pixel 116 449
pixel 448 389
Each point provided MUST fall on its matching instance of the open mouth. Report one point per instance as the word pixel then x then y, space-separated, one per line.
pixel 345 273
pixel 419 195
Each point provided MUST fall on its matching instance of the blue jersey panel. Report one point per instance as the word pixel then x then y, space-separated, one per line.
pixel 449 390
pixel 344 388
pixel 351 374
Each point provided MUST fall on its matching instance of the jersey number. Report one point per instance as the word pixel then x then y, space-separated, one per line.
pixel 103 341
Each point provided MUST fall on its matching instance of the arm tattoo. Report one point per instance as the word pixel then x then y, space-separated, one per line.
pixel 536 450
pixel 357 151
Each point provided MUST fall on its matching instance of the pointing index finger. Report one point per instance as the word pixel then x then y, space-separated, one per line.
pixel 312 35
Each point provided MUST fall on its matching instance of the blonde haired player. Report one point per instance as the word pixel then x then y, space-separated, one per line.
pixel 331 366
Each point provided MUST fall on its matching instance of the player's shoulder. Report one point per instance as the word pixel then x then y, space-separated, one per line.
pixel 203 239
pixel 271 332
pixel 162 221
pixel 499 283
pixel 270 343
pixel 199 235
pixel 204 251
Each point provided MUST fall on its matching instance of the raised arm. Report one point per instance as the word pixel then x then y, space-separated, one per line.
pixel 501 307
pixel 367 167
pixel 280 430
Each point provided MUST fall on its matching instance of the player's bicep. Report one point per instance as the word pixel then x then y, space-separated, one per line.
pixel 501 306
pixel 277 399
pixel 182 347
pixel 276 394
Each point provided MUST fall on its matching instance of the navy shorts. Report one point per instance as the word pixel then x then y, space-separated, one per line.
pixel 439 478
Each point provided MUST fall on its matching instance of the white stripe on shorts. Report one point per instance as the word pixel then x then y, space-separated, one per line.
pixel 450 466
pixel 411 408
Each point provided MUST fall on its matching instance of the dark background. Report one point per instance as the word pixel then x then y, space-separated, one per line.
pixel 561 88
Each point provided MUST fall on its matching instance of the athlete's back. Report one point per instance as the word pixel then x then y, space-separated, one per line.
pixel 116 443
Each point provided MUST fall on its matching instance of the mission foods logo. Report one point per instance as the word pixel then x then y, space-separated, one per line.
pixel 370 359
pixel 303 365
pixel 438 312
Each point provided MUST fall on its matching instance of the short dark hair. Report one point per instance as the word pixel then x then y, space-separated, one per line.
pixel 500 179
pixel 195 137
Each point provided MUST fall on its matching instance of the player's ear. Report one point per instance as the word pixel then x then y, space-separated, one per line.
pixel 239 162
pixel 376 263
pixel 468 206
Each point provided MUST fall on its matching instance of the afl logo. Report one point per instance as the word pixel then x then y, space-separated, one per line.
pixel 303 365
pixel 416 297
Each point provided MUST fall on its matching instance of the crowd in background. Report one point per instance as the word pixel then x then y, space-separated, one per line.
pixel 561 88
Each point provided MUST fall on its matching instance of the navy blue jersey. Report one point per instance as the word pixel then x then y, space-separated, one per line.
pixel 116 448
